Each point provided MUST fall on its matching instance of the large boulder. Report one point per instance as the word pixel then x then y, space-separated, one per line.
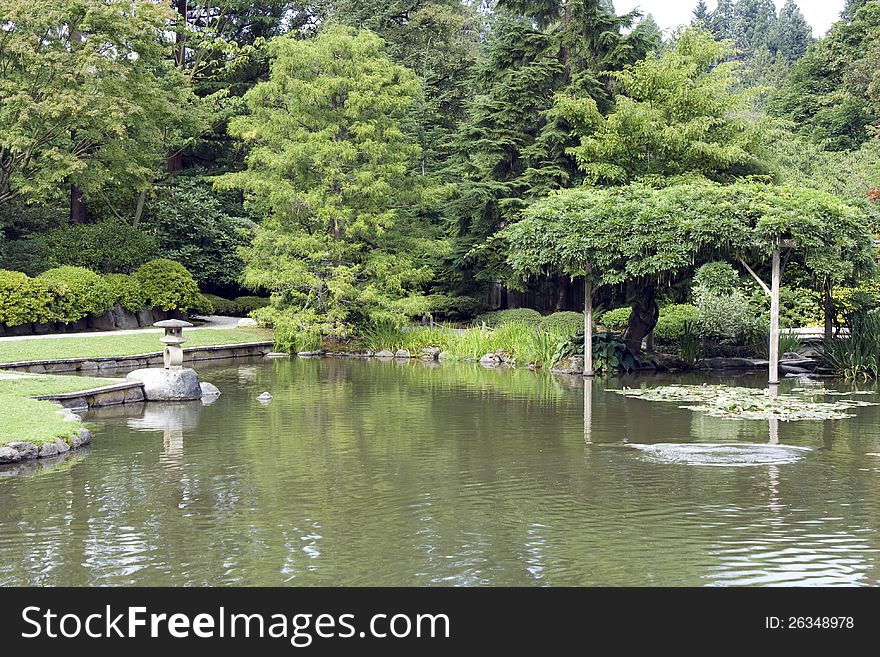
pixel 124 318
pixel 168 385
pixel 571 365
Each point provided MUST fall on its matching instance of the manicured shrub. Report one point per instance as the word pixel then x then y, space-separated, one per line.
pixel 125 291
pixel 616 319
pixel 446 306
pixel 167 285
pixel 105 246
pixel 247 304
pixel 24 299
pixel 211 304
pixel 727 316
pixel 673 321
pixel 79 292
pixel 502 317
pixel 564 321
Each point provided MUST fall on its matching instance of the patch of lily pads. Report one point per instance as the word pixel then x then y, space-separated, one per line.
pixel 751 403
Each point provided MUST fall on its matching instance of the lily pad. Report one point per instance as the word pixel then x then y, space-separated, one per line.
pixel 748 403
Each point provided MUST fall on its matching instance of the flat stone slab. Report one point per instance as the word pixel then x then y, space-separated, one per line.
pixel 734 363
pixel 168 385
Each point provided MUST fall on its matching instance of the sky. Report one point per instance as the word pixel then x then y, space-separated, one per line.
pixel 672 13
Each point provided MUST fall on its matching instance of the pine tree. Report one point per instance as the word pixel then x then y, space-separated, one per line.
pixel 329 167
pixel 512 147
pixel 791 34
pixel 722 21
pixel 753 21
pixel 701 15
pixel 850 9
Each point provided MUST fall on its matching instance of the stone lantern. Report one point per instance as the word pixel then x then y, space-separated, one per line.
pixel 173 339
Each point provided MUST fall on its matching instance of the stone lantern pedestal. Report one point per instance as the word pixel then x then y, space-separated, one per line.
pixel 174 382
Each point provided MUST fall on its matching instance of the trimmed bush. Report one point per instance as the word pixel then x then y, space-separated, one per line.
pixel 519 315
pixel 80 292
pixel 446 306
pixel 125 291
pixel 24 299
pixel 167 285
pixel 616 319
pixel 211 304
pixel 716 277
pixel 565 321
pixel 247 304
pixel 674 320
pixel 106 246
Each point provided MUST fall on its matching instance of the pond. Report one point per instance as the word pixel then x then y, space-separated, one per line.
pixel 368 473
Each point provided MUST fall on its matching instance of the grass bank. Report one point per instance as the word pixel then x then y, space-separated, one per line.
pixel 125 344
pixel 30 420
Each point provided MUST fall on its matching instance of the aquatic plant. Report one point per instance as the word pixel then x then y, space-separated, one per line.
pixel 857 355
pixel 690 344
pixel 610 353
pixel 747 403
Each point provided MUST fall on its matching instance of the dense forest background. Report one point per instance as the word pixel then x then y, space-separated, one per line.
pixel 354 159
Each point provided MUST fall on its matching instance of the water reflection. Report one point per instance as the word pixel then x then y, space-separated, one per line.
pixel 400 474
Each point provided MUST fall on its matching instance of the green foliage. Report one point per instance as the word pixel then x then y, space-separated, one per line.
pixel 690 343
pixel 79 293
pixel 637 231
pixel 726 316
pixel 125 291
pixel 90 97
pixel 502 317
pixel 329 165
pixel 718 277
pixel 191 223
pixel 512 146
pixel 856 356
pixel 833 97
pixel 610 353
pixel 677 114
pixel 674 320
pixel 445 306
pixel 24 299
pixel 616 319
pixel 106 246
pixel 564 321
pixel 245 305
pixel 167 285
pixel 798 307
pixel 523 341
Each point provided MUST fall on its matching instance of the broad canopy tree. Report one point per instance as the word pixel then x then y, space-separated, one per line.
pixel 90 98
pixel 638 232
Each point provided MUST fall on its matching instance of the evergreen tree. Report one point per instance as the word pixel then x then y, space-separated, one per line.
pixel 791 34
pixel 850 9
pixel 752 23
pixel 513 145
pixel 701 15
pixel 833 96
pixel 438 40
pixel 329 167
pixel 722 23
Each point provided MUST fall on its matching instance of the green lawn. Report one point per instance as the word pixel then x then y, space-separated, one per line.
pixel 131 344
pixel 30 420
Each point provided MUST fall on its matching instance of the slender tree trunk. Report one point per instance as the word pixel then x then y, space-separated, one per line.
pixel 643 318
pixel 139 210
pixel 563 283
pixel 830 313
pixel 588 327
pixel 174 160
pixel 774 319
pixel 77 206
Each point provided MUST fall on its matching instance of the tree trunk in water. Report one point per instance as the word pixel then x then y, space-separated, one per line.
pixel 643 318
pixel 77 206
pixel 829 310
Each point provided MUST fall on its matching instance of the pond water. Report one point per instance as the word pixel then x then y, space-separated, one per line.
pixel 367 473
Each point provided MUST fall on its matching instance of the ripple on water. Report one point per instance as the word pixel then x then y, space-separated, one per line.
pixel 727 454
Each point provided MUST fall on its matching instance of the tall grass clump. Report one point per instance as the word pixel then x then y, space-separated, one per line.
pixel 856 356
pixel 690 343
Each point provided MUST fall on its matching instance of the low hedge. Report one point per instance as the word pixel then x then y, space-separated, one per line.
pixel 616 319
pixel 68 294
pixel 501 317
pixel 566 321
pixel 80 292
pixel 673 319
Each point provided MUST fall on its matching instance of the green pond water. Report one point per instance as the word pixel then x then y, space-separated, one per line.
pixel 367 473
